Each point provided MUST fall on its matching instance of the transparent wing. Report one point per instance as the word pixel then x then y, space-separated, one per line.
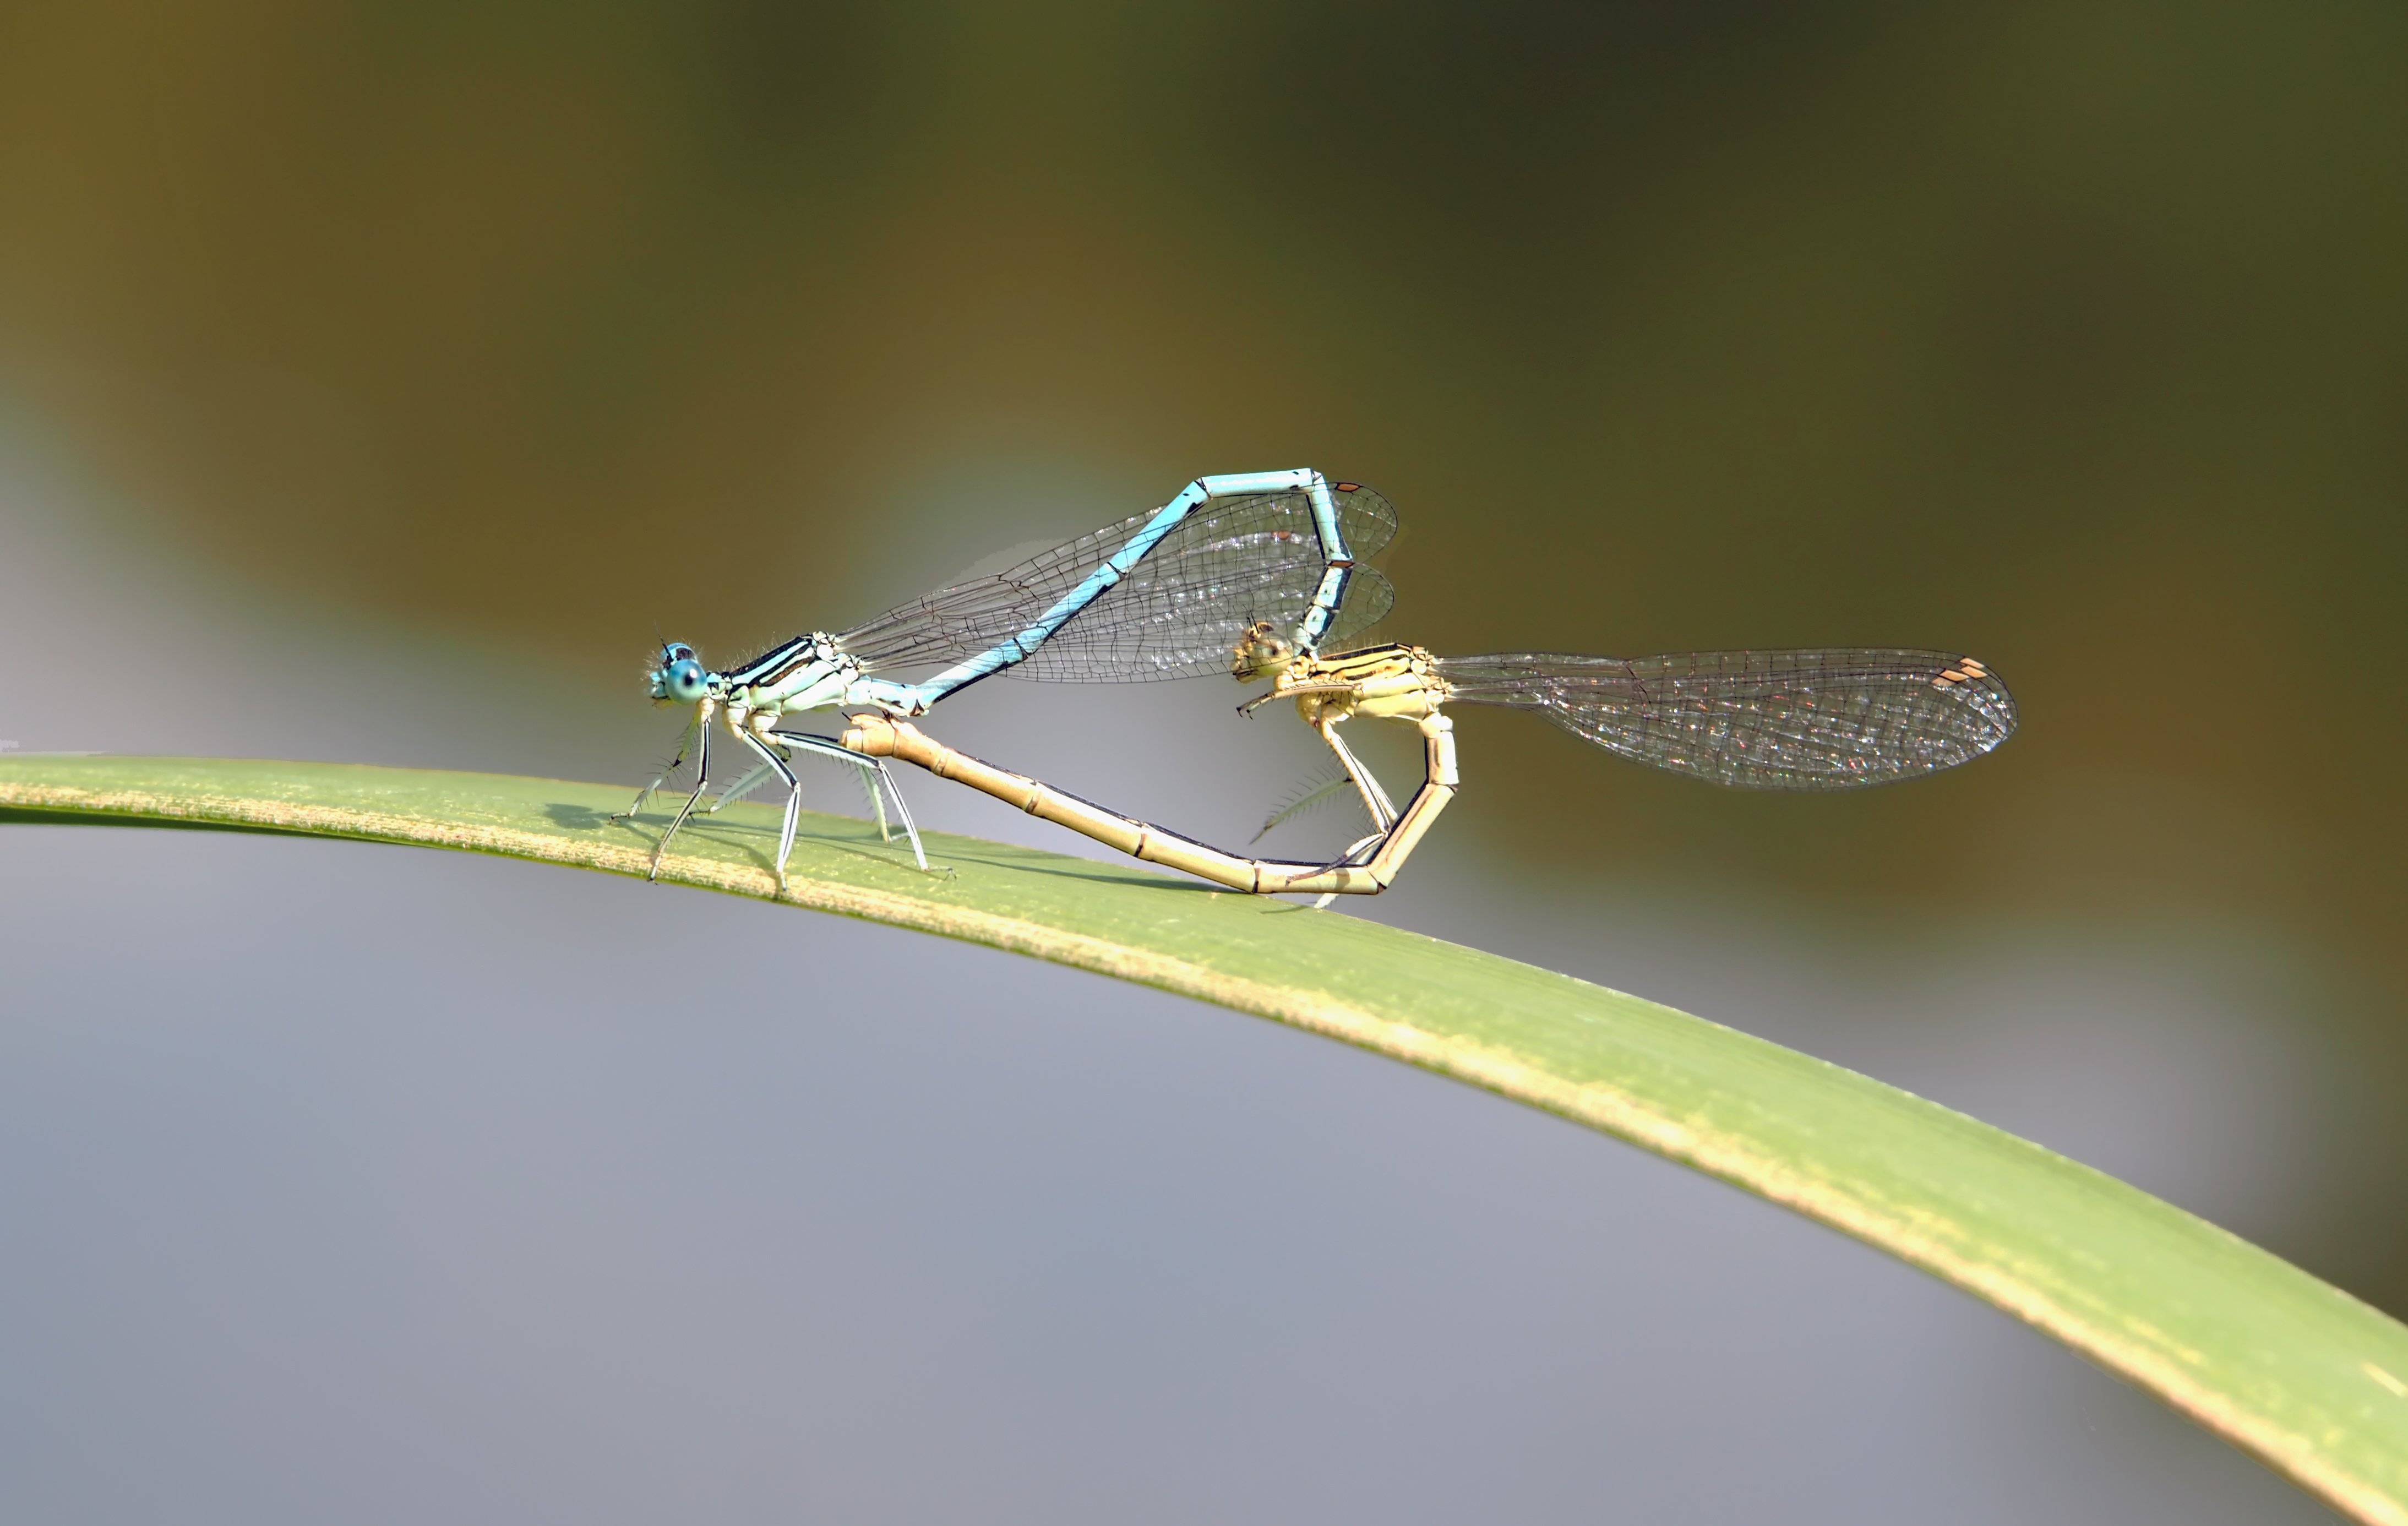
pixel 1834 720
pixel 1177 614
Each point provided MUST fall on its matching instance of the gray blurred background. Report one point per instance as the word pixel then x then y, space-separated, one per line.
pixel 374 380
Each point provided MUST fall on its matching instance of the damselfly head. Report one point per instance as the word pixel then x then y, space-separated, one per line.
pixel 1261 653
pixel 679 678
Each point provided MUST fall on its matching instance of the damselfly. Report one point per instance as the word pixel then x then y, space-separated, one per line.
pixel 1828 719
pixel 1161 596
pixel 1833 719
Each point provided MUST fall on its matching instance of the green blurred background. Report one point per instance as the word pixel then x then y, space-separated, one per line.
pixel 2071 336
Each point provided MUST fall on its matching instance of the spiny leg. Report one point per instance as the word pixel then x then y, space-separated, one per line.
pixel 910 828
pixel 1439 779
pixel 876 803
pixel 701 782
pixel 1301 804
pixel 1376 804
pixel 871 773
pixel 737 791
pixel 826 748
pixel 869 782
pixel 643 796
pixel 1375 800
pixel 770 760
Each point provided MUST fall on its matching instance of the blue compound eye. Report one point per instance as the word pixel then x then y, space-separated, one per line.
pixel 685 679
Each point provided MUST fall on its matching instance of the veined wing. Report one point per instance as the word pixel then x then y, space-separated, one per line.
pixel 1824 720
pixel 1176 614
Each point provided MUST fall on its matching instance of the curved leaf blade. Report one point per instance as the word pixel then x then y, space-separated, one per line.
pixel 2311 1380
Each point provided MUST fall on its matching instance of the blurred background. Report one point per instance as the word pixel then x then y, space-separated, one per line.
pixel 377 380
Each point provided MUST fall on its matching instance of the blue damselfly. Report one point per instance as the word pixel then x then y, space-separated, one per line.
pixel 1160 595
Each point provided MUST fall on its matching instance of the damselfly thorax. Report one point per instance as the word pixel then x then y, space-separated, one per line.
pixel 1391 682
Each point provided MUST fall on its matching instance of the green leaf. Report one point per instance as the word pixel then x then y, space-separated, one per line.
pixel 2297 1372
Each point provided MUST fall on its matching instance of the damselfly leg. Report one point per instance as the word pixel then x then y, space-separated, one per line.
pixel 774 758
pixel 877 782
pixel 1376 802
pixel 873 771
pixel 644 795
pixel 1375 799
pixel 880 774
pixel 698 740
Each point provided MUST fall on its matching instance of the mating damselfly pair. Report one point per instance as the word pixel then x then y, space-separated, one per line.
pixel 1252 576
